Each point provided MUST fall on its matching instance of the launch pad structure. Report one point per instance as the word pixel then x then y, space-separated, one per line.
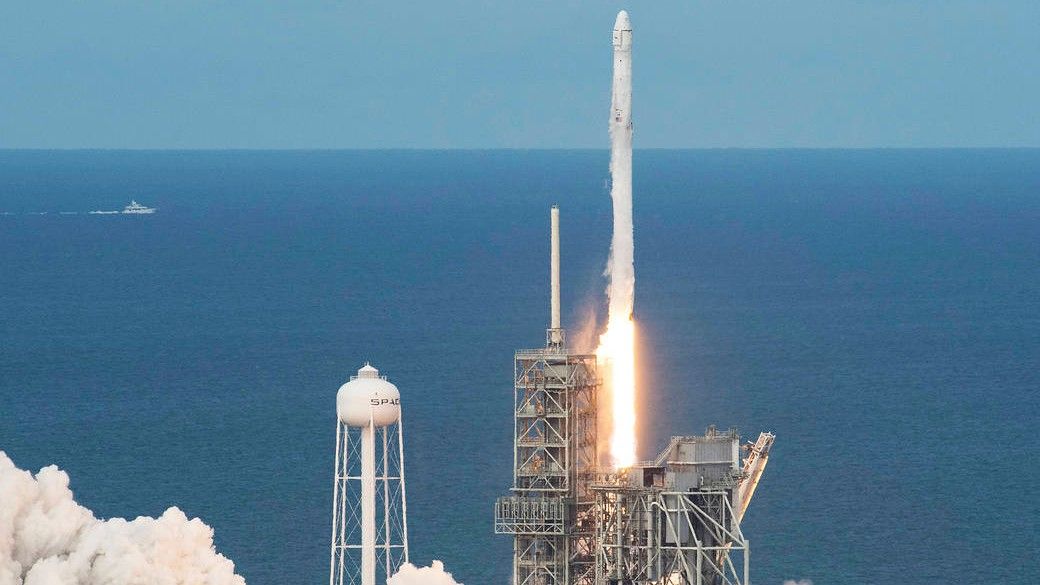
pixel 674 520
pixel 550 512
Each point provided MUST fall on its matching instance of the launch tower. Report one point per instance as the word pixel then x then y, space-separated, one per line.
pixel 550 511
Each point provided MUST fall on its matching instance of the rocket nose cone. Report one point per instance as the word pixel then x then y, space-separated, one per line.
pixel 622 22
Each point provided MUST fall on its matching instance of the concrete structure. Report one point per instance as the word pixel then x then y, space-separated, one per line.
pixel 369 511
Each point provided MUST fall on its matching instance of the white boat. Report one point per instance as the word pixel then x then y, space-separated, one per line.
pixel 137 208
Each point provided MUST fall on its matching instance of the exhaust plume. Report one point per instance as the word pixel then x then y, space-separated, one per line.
pixel 46 538
pixel 435 574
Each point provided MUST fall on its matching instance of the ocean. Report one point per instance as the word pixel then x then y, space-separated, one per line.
pixel 879 310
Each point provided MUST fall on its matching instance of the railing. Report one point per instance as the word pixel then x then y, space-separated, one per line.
pixel 520 515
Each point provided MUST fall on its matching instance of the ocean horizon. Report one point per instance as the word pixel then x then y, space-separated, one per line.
pixel 877 309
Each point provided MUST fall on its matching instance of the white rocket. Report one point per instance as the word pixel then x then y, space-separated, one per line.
pixel 620 268
pixel 621 96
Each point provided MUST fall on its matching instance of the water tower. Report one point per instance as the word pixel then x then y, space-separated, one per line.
pixel 369 514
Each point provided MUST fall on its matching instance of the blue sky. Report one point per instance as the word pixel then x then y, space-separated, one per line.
pixel 533 74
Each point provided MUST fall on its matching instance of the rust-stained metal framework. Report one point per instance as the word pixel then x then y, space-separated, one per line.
pixel 676 520
pixel 554 455
pixel 671 521
pixel 669 537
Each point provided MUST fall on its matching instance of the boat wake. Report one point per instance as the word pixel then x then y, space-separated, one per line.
pixel 134 208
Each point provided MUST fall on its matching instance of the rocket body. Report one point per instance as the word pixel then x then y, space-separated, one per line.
pixel 621 94
pixel 621 268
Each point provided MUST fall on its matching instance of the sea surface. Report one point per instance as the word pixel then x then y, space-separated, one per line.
pixel 879 310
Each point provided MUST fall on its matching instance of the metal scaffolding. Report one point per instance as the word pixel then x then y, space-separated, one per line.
pixel 389 509
pixel 554 457
pixel 671 521
pixel 675 520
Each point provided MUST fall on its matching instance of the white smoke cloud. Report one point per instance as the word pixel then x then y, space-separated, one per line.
pixel 46 538
pixel 435 574
pixel 798 582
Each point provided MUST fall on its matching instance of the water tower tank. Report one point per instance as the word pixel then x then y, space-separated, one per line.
pixel 368 398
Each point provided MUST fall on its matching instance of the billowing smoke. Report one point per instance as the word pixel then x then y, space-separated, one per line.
pixel 46 538
pixel 435 574
pixel 584 337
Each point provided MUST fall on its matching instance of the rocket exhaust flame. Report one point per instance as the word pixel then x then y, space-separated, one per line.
pixel 616 353
pixel 617 345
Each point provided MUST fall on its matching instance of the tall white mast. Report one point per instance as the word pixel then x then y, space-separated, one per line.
pixel 555 330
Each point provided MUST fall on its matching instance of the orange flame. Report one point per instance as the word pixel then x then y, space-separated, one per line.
pixel 616 351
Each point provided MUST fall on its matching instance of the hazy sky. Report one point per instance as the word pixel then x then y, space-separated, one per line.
pixel 473 74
